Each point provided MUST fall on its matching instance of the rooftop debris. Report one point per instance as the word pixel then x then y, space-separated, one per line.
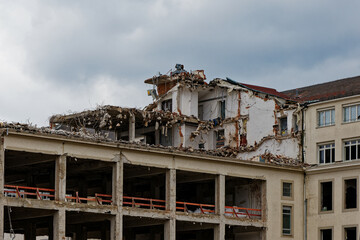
pixel 100 137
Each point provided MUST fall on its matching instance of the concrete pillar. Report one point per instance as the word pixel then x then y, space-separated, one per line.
pixel 170 229
pixel 132 127
pixel 170 225
pixel 220 195
pixel 59 224
pixel 219 231
pixel 117 182
pixel 60 178
pixel 116 227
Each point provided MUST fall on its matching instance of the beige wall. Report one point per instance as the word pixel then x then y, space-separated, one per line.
pixel 338 217
pixel 336 133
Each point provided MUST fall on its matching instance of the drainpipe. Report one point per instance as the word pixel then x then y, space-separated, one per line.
pixel 303 160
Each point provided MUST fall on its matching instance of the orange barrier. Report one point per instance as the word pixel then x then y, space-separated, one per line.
pixel 23 192
pixel 98 199
pixel 242 212
pixel 144 202
pixel 202 208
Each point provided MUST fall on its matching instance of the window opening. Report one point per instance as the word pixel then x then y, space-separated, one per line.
pixel 352 113
pixel 222 109
pixel 286 226
pixel 166 105
pixel 220 138
pixel 287 189
pixel 352 150
pixel 326 234
pixel 350 233
pixel 350 193
pixel 326 196
pixel 283 126
pixel 326 117
pixel 327 153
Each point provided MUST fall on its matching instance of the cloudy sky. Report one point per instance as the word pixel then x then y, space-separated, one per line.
pixel 62 56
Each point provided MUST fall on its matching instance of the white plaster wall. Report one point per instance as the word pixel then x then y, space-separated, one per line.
pixel 188 102
pixel 285 147
pixel 261 116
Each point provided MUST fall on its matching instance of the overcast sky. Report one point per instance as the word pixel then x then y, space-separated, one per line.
pixel 62 56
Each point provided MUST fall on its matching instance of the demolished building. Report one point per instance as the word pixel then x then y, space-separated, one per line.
pixel 206 160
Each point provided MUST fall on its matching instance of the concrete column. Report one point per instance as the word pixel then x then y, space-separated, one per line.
pixel 132 128
pixel 60 178
pixel 116 227
pixel 220 195
pixel 219 231
pixel 171 190
pixel 170 225
pixel 170 229
pixel 116 223
pixel 117 182
pixel 59 224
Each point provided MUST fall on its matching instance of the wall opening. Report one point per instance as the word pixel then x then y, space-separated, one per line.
pixel 326 234
pixel 144 187
pixel 194 231
pixel 136 228
pixel 350 193
pixel 326 196
pixel 86 178
pixel 195 192
pixel 240 233
pixel 350 233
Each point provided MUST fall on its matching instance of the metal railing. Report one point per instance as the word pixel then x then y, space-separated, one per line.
pixel 136 202
pixel 198 208
pixel 29 192
pixel 148 203
pixel 240 212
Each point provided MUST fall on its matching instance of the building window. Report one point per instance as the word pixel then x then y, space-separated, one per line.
pixel 201 112
pixel 166 105
pixel 222 109
pixel 220 138
pixel 352 149
pixel 326 234
pixel 287 189
pixel 352 113
pixel 326 117
pixel 286 220
pixel 326 189
pixel 327 153
pixel 283 126
pixel 350 193
pixel 350 233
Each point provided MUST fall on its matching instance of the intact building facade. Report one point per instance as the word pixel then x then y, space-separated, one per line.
pixel 217 160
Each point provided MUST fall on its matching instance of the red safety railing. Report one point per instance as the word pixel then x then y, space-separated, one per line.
pixel 198 208
pixel 144 203
pixel 100 199
pixel 240 212
pixel 29 192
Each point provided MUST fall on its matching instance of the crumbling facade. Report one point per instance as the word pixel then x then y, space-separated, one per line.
pixel 217 160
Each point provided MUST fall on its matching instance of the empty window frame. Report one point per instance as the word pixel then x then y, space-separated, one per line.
pixel 166 105
pixel 283 126
pixel 287 190
pixel 350 233
pixel 220 138
pixel 326 117
pixel 326 196
pixel 287 220
pixel 327 153
pixel 350 193
pixel 326 234
pixel 222 109
pixel 352 150
pixel 201 112
pixel 351 113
